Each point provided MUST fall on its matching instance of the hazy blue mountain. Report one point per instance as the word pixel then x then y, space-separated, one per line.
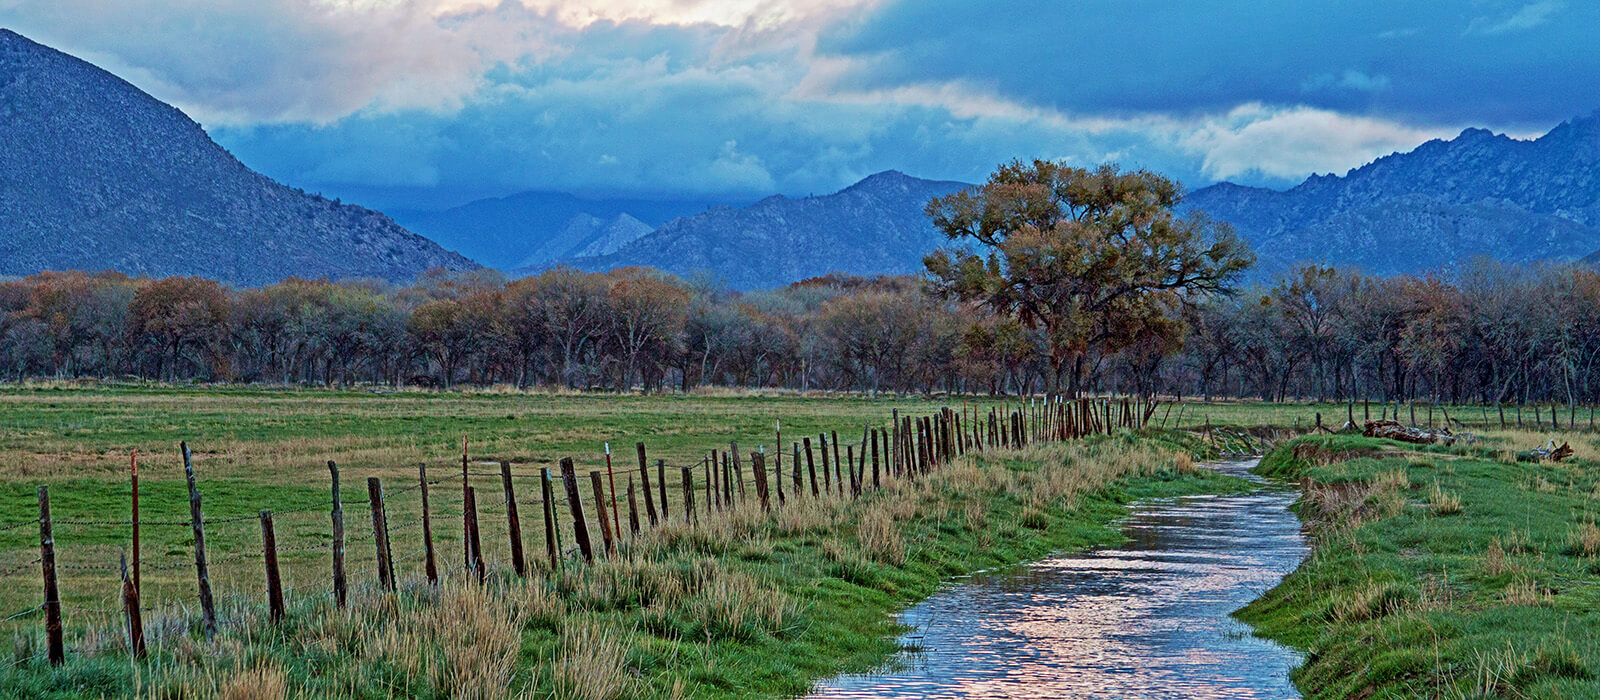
pixel 95 174
pixel 533 227
pixel 1479 194
pixel 875 226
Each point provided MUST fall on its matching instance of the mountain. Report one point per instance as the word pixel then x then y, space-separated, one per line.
pixel 1479 194
pixel 876 226
pixel 533 227
pixel 95 174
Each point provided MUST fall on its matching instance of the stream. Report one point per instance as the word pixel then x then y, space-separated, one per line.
pixel 1149 619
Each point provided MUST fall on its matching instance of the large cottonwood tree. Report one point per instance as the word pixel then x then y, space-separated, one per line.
pixel 1098 259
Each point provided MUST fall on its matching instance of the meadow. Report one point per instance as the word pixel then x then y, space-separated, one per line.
pixel 1449 572
pixel 743 603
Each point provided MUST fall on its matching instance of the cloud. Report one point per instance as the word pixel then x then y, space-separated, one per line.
pixel 1525 18
pixel 485 97
pixel 1289 143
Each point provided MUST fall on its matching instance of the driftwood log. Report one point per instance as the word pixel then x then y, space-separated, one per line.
pixel 1548 453
pixel 1393 430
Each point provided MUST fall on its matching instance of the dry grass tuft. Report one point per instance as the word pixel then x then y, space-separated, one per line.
pixel 1443 502
pixel 880 536
pixel 259 683
pixel 592 663
pixel 1526 592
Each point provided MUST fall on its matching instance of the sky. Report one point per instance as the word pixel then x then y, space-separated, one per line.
pixel 430 103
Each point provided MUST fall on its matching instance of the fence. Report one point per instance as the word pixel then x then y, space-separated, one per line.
pixel 482 508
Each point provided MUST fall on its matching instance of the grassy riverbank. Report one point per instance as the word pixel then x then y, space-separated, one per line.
pixel 751 604
pixel 1441 572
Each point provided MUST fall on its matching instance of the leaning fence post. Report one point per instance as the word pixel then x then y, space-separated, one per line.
pixel 52 594
pixel 269 555
pixel 430 563
pixel 380 533
pixel 208 608
pixel 549 519
pixel 340 588
pixel 644 483
pixel 600 511
pixel 130 609
pixel 811 466
pixel 474 538
pixel 513 521
pixel 466 528
pixel 580 527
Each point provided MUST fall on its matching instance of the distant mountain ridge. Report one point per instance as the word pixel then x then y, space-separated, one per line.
pixel 529 228
pixel 1479 194
pixel 876 226
pixel 95 174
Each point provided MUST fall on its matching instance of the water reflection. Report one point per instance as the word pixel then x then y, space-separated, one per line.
pixel 1148 620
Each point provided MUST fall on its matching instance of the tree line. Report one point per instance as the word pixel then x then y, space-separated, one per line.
pixel 1492 334
pixel 1062 280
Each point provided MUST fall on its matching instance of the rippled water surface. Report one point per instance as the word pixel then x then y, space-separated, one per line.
pixel 1148 620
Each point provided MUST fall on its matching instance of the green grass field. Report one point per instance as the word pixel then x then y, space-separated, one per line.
pixel 1450 615
pixel 744 604
pixel 1441 572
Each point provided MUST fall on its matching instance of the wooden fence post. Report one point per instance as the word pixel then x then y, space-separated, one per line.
pixel 850 462
pixel 633 509
pixel 513 522
pixel 380 533
pixel 688 494
pixel 838 467
pixel 133 488
pixel 340 588
pixel 727 481
pixel 811 465
pixel 474 537
pixel 661 486
pixel 135 616
pixel 269 555
pixel 580 528
pixel 738 467
pixel 876 484
pixel 52 593
pixel 758 463
pixel 827 467
pixel 430 562
pixel 644 483
pixel 466 528
pixel 600 511
pixel 550 548
pixel 208 607
pixel 799 483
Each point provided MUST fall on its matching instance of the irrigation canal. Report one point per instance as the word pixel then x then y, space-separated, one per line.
pixel 1147 620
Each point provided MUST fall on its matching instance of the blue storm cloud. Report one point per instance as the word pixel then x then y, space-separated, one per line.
pixel 430 102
